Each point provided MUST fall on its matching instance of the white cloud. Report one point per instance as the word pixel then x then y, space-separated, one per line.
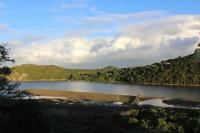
pixel 26 39
pixel 106 18
pixel 58 51
pixel 134 44
pixel 71 4
pixel 125 42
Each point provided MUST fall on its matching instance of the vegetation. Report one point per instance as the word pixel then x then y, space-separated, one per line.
pixel 49 117
pixel 180 71
pixel 69 95
pixel 22 116
pixel 29 72
pixel 43 116
pixel 184 102
pixel 7 89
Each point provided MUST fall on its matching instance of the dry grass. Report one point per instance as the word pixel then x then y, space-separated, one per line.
pixel 82 95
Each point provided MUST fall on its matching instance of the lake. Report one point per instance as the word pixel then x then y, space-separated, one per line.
pixel 115 88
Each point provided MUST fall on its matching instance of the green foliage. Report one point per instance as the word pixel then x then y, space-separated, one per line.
pixel 31 72
pixel 164 120
pixel 7 89
pixel 179 71
pixel 133 121
pixel 101 119
pixel 24 116
pixel 162 125
pixel 131 113
pixel 180 129
pixel 144 124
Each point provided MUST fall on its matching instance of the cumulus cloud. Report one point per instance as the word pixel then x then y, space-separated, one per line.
pixel 178 46
pixel 27 39
pixel 175 34
pixel 58 51
pixel 135 44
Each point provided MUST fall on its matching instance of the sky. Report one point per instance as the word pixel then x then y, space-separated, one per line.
pixel 99 33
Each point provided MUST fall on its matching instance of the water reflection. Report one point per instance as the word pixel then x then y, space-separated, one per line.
pixel 122 89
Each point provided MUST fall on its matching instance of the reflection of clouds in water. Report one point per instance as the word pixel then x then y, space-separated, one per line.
pixel 78 86
pixel 117 88
pixel 127 91
pixel 122 89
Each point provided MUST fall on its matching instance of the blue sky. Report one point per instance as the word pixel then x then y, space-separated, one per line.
pixel 90 30
pixel 33 14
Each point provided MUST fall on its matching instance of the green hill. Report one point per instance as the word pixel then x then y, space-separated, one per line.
pixel 30 72
pixel 180 71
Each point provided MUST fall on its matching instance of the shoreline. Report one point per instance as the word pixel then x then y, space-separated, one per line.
pixel 112 82
pixel 101 97
pixel 91 97
pixel 72 95
pixel 183 102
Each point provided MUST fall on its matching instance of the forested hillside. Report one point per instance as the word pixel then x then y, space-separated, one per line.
pixel 29 72
pixel 179 71
pixel 182 70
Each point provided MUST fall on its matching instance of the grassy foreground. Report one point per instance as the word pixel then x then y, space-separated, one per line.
pixel 22 116
pixel 47 116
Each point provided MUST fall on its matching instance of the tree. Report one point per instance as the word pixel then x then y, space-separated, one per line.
pixel 7 88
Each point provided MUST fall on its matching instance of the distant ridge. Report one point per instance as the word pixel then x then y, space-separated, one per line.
pixel 184 71
pixel 111 68
pixel 30 72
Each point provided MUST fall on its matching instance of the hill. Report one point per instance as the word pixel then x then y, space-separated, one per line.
pixel 30 72
pixel 179 71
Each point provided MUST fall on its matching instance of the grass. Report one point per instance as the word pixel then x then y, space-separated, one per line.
pixel 44 117
pixel 82 95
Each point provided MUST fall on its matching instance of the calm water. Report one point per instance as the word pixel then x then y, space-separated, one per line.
pixel 116 88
